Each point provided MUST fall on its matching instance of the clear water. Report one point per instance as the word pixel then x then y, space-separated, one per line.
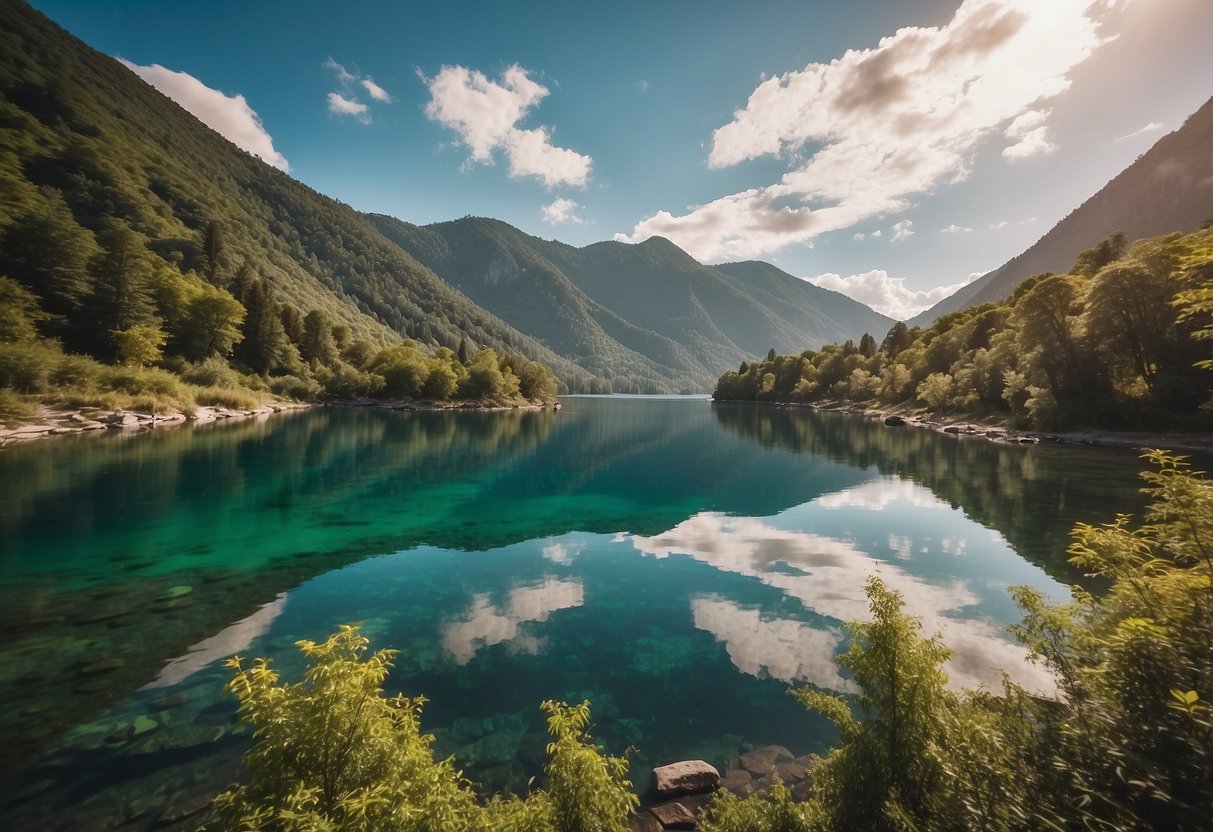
pixel 679 563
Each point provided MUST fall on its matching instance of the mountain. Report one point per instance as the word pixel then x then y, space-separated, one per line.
pixel 648 316
pixel 85 139
pixel 1169 188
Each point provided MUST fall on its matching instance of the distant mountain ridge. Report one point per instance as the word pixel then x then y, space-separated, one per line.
pixel 647 316
pixel 1168 188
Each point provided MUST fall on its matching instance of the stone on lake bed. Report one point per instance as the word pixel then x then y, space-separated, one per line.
pixel 761 761
pixel 175 592
pixel 685 777
pixel 674 815
pixel 144 724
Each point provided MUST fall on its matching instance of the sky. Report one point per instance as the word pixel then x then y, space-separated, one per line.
pixel 890 149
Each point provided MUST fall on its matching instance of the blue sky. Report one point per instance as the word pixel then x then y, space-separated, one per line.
pixel 838 141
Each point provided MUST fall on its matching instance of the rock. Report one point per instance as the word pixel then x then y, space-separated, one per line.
pixel 175 592
pixel 493 750
pixel 187 807
pixel 643 822
pixel 144 724
pixel 738 781
pixel 174 701
pixel 685 777
pixel 791 772
pixel 761 761
pixel 801 791
pixel 894 421
pixel 952 429
pixel 674 816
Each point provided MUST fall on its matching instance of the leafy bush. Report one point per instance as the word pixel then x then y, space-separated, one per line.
pixel 333 752
pixel 294 387
pixel 27 366
pixel 211 372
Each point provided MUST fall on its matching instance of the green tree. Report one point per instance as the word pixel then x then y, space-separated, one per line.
pixel 121 275
pixel 1130 317
pixel 139 344
pixel 46 251
pixel 1047 323
pixel 317 344
pixel 212 251
pixel 867 345
pixel 20 313
pixel 264 342
pixel 1101 254
pixel 211 324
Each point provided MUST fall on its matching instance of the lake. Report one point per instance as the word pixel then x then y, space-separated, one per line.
pixel 678 563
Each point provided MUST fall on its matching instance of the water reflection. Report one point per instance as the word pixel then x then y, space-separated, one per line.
pixel 485 623
pixel 827 576
pixel 227 642
pixel 778 648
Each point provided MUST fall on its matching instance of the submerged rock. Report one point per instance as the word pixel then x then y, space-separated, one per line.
pixel 674 815
pixel 894 421
pixel 761 761
pixel 685 777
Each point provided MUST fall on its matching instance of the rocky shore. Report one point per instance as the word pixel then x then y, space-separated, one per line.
pixel 681 792
pixel 50 421
pixel 997 431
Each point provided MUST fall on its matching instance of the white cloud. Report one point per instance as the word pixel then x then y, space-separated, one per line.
pixel 1152 127
pixel 642 85
pixel 995 226
pixel 343 75
pixel 486 114
pixel 375 91
pixel 887 295
pixel 955 229
pixel 342 106
pixel 228 115
pixel 857 237
pixel 561 210
pixel 876 233
pixel 344 102
pixel 1031 135
pixel 903 230
pixel 867 133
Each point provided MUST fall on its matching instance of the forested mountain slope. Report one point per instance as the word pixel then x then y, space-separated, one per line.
pixel 648 316
pixel 1169 188
pixel 85 144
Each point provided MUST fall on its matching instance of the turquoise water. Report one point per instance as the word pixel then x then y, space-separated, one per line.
pixel 679 563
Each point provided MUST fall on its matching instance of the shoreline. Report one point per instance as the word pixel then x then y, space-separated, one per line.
pixel 53 421
pixel 1000 432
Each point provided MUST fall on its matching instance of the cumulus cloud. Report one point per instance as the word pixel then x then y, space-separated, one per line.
pixel 867 133
pixel 342 106
pixel 1152 127
pixel 887 295
pixel 955 229
pixel 485 114
pixel 858 237
pixel 344 101
pixel 228 115
pixel 561 210
pixel 903 230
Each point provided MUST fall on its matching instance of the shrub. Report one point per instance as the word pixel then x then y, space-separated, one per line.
pixel 26 366
pixel 294 387
pixel 332 752
pixel 211 372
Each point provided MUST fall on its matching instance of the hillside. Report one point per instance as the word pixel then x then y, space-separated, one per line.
pixel 1169 188
pixel 87 147
pixel 647 316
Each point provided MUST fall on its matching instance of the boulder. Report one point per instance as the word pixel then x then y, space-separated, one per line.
pixel 674 816
pixel 894 421
pixel 685 777
pixel 643 821
pixel 738 781
pixel 761 761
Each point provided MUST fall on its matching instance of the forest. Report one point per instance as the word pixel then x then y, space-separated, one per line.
pixel 1123 340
